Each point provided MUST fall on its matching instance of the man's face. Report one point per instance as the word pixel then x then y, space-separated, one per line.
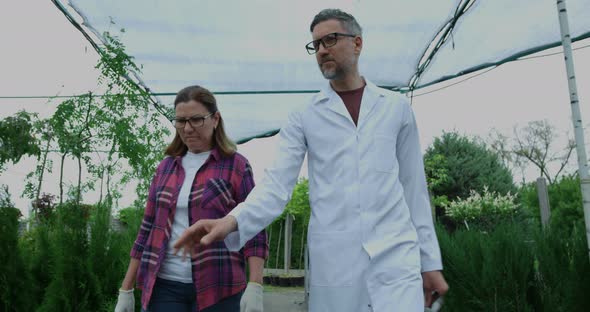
pixel 338 60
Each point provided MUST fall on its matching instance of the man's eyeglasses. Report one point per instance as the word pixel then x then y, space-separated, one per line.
pixel 327 41
pixel 195 121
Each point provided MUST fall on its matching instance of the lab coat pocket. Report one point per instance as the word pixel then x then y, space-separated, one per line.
pixel 400 275
pixel 384 152
pixel 332 258
pixel 397 288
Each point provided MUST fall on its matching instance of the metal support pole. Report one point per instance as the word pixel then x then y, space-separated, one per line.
pixel 288 234
pixel 566 41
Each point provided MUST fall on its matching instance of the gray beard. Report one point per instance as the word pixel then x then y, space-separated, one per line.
pixel 331 73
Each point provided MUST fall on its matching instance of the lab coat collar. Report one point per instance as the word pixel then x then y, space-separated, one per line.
pixel 330 98
pixel 327 92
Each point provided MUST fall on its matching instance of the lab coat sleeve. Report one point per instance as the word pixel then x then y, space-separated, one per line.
pixel 413 179
pixel 268 199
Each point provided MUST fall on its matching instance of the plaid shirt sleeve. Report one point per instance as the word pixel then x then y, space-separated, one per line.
pixel 257 246
pixel 148 217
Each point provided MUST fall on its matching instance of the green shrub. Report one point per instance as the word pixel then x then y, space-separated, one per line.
pixel 104 255
pixel 38 244
pixel 71 282
pixel 565 201
pixel 130 215
pixel 488 271
pixel 38 258
pixel 516 267
pixel 14 277
pixel 562 270
pixel 299 208
pixel 76 262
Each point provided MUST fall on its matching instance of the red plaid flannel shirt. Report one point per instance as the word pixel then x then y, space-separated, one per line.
pixel 221 183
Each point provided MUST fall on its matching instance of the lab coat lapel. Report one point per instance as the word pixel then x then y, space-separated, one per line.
pixel 368 102
pixel 371 98
pixel 334 103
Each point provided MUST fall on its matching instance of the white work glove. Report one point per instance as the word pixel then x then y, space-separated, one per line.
pixel 252 298
pixel 126 301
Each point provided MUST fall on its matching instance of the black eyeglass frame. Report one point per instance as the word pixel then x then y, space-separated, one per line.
pixel 314 46
pixel 200 120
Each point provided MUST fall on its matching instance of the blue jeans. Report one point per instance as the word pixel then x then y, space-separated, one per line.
pixel 171 296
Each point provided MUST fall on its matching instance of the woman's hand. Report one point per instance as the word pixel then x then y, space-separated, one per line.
pixel 126 301
pixel 252 298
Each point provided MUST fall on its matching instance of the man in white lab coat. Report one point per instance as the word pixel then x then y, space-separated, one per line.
pixel 371 239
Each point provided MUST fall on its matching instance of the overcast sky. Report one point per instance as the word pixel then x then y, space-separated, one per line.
pixel 43 54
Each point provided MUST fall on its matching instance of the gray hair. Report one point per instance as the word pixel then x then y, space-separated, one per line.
pixel 346 20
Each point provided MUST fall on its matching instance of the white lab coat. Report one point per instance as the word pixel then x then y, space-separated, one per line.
pixel 368 198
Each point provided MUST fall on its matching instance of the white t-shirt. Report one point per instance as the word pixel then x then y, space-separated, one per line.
pixel 173 268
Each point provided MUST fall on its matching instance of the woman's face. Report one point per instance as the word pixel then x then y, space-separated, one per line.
pixel 199 125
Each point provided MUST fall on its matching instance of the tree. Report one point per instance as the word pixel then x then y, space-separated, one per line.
pixel 71 125
pixel 17 138
pixel 5 200
pixel 116 134
pixel 130 128
pixel 455 165
pixel 534 144
pixel 500 143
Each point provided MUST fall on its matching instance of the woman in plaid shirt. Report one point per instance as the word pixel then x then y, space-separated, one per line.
pixel 202 177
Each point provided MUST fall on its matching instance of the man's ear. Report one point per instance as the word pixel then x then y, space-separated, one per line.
pixel 358 44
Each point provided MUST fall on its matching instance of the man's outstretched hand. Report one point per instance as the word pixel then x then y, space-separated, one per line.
pixel 204 232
